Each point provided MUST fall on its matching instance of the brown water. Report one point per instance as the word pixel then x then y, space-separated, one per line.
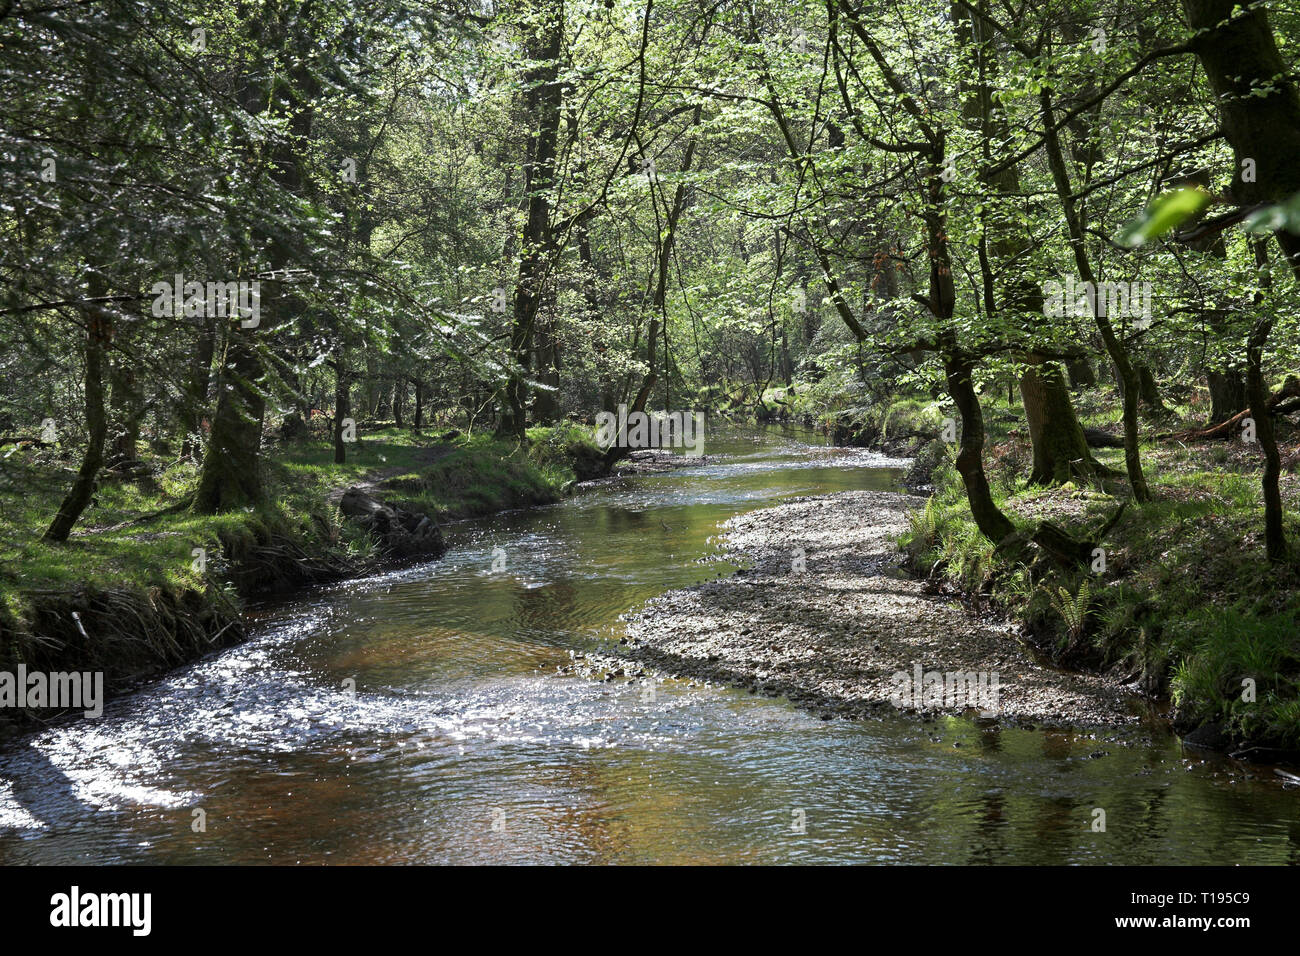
pixel 461 744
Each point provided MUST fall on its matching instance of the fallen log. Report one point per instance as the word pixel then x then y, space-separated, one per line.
pixel 1231 426
pixel 1096 438
pixel 1065 549
pixel 1286 408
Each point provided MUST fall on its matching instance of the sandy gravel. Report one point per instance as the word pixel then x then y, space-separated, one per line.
pixel 832 637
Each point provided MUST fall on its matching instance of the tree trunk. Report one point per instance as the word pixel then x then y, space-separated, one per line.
pixel 546 404
pixel 1229 428
pixel 1259 106
pixel 196 391
pixel 1148 391
pixel 1274 537
pixel 591 297
pixel 1274 534
pixel 542 47
pixel 418 422
pixel 1081 374
pixel 126 401
pixel 663 262
pixel 1114 348
pixel 990 520
pixel 342 407
pixel 1060 450
pixel 99 332
pixel 1258 102
pixel 1227 394
pixel 231 476
pixel 126 404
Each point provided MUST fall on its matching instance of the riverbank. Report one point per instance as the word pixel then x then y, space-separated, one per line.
pixel 823 613
pixel 144 585
pixel 1181 603
pixel 1178 598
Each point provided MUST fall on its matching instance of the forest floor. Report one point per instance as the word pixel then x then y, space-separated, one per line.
pixel 823 614
pixel 373 481
pixel 142 532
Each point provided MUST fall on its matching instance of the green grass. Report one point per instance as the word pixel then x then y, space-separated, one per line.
pixel 484 475
pixel 469 477
pixel 565 453
pixel 1230 655
pixel 475 478
pixel 311 461
pixel 101 555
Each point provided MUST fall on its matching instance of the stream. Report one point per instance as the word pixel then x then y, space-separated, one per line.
pixel 417 716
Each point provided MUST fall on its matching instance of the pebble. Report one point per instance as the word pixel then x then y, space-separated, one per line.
pixel 831 629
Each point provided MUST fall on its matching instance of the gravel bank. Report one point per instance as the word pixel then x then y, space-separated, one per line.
pixel 832 631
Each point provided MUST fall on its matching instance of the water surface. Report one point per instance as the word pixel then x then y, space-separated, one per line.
pixel 417 716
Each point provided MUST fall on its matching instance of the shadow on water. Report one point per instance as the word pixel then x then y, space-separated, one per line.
pixel 39 789
pixel 417 716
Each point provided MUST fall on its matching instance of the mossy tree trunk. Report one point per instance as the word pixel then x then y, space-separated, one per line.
pixel 231 476
pixel 990 520
pixel 1258 104
pixel 1061 452
pixel 196 388
pixel 1148 390
pixel 1227 394
pixel 1081 372
pixel 126 405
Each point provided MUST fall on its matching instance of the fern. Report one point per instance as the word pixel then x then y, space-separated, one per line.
pixel 1073 609
pixel 927 524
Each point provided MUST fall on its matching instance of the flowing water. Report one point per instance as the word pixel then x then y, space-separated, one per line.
pixel 417 716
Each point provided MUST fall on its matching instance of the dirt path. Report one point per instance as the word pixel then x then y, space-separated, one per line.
pixel 833 636
pixel 372 481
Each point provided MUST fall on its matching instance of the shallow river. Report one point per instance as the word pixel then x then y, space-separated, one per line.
pixel 417 716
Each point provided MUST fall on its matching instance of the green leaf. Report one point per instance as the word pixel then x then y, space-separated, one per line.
pixel 1284 215
pixel 1166 213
